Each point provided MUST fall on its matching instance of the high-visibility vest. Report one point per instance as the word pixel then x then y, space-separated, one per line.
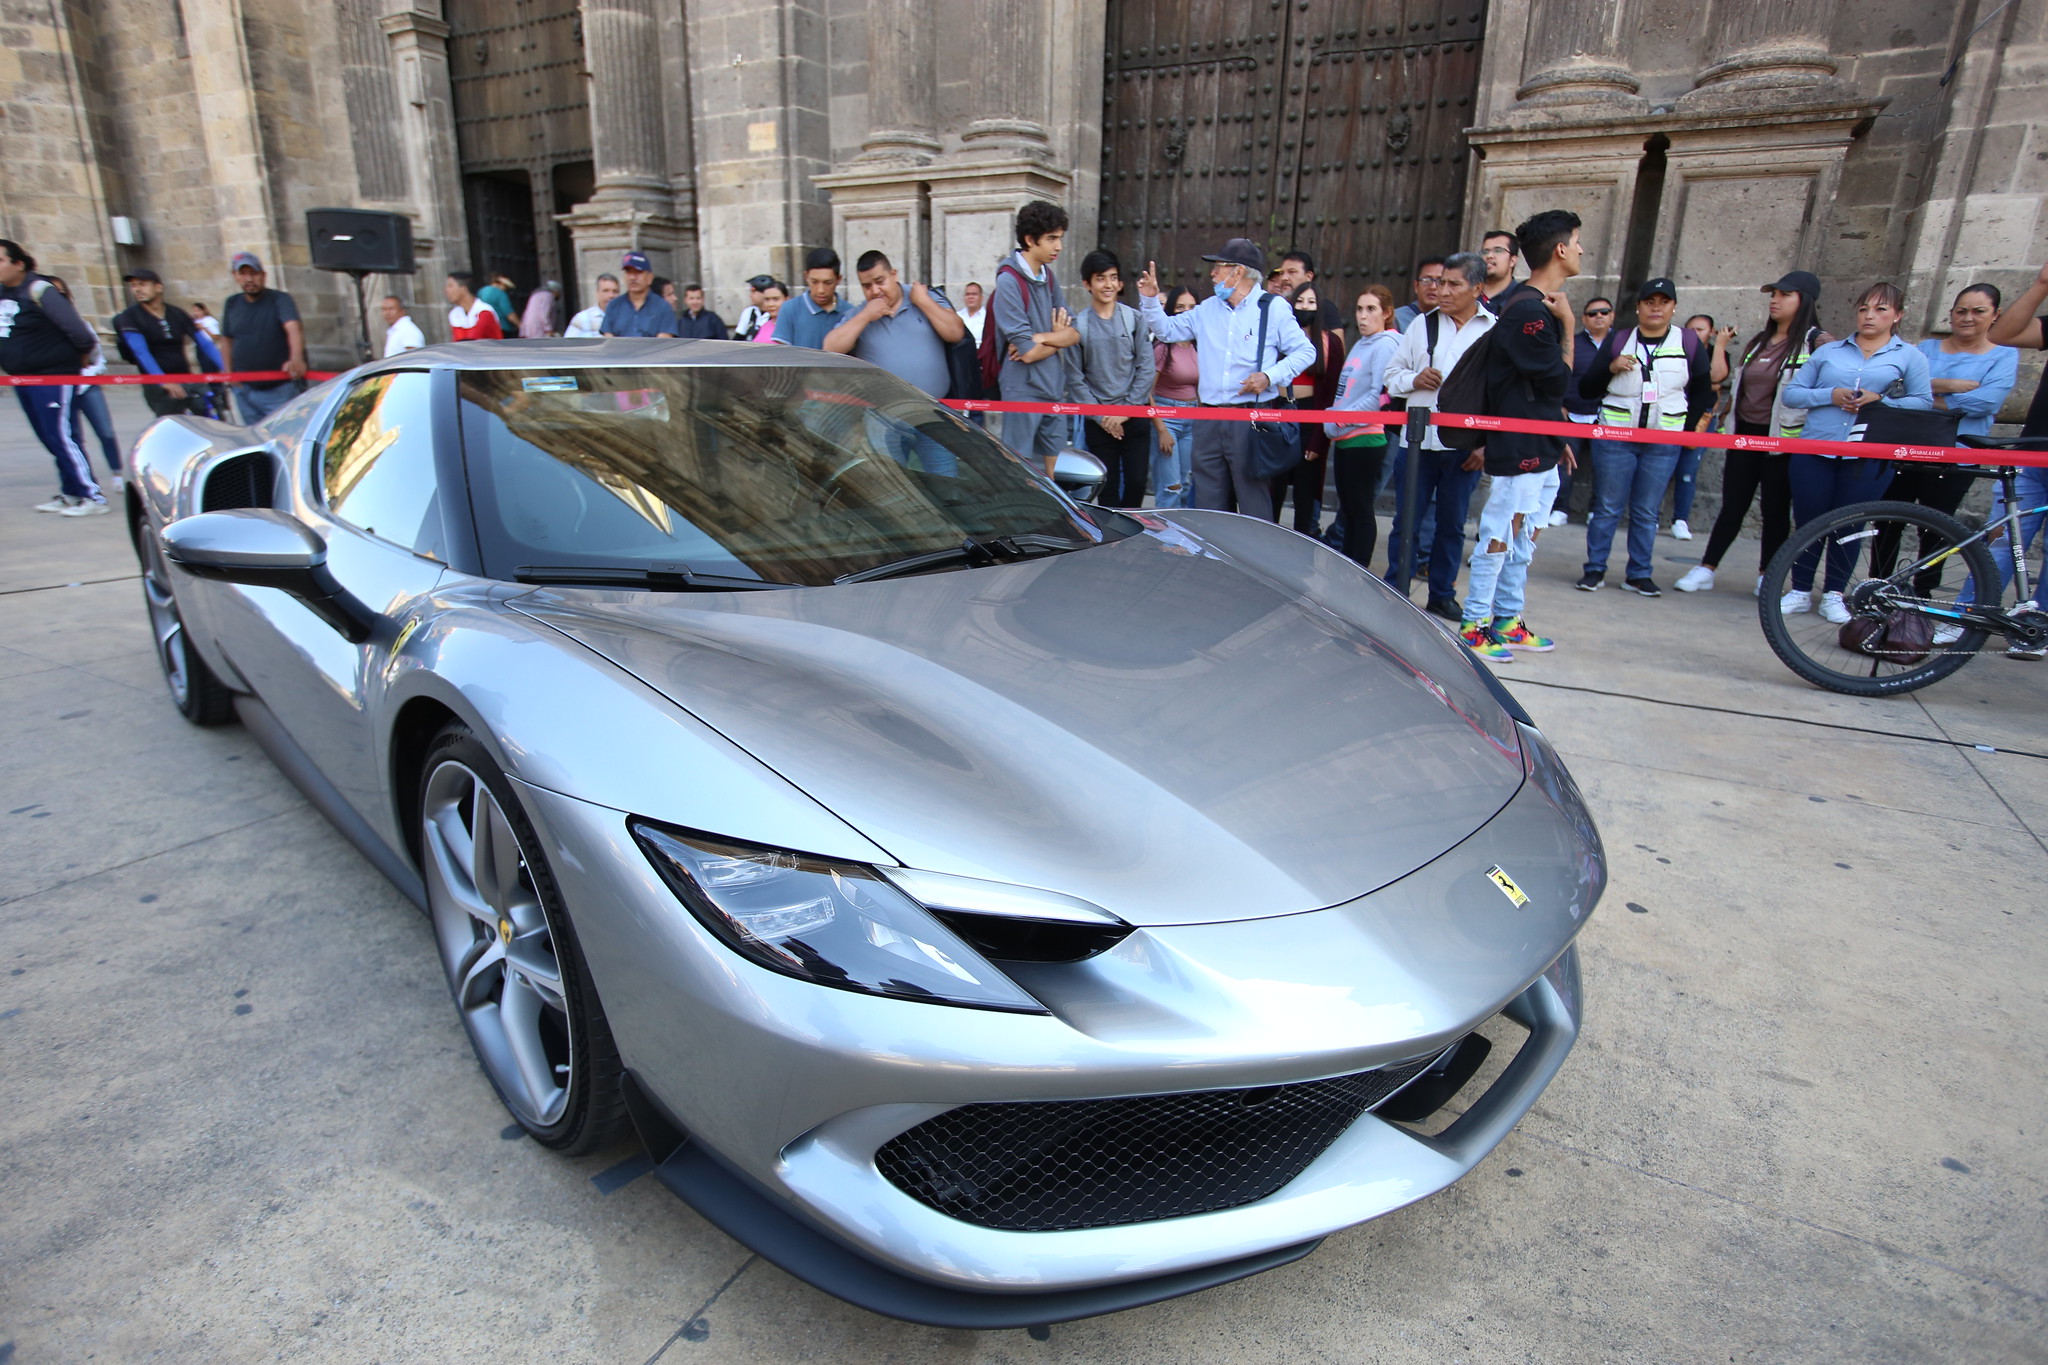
pixel 1663 365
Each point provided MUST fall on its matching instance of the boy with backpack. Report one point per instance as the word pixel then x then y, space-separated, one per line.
pixel 1523 367
pixel 1027 349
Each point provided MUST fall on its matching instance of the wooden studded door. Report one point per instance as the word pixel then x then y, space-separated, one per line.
pixel 1334 127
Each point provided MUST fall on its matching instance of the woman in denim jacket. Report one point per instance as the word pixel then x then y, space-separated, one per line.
pixel 1840 380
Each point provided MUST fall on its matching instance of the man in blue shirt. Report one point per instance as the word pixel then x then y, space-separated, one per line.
pixel 1232 371
pixel 806 319
pixel 639 312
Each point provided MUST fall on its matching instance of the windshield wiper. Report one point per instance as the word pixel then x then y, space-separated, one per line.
pixel 971 552
pixel 657 578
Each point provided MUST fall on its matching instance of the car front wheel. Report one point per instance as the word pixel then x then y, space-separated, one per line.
pixel 519 981
pixel 199 696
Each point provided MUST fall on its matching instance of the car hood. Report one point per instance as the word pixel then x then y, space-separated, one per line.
pixel 1211 720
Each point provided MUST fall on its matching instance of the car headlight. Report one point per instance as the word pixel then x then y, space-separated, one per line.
pixel 835 924
pixel 1547 771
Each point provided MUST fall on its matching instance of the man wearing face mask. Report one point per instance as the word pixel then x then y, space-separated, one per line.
pixel 1233 368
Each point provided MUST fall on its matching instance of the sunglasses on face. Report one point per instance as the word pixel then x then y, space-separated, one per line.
pixel 1599 312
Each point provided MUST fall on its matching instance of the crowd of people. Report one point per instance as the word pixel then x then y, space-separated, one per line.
pixel 1260 338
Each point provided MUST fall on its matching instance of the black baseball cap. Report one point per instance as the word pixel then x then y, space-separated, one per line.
pixel 1796 282
pixel 1660 285
pixel 761 282
pixel 147 276
pixel 1241 251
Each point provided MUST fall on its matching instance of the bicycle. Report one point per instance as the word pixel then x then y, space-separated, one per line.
pixel 1907 626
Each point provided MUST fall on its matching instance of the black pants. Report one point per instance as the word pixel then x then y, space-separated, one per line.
pixel 1126 457
pixel 1357 470
pixel 1940 489
pixel 1745 473
pixel 1306 479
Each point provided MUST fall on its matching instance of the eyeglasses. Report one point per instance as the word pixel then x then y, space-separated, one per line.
pixel 1429 279
pixel 1495 251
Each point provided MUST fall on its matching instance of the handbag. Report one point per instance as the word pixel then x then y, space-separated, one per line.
pixel 1900 637
pixel 1883 425
pixel 1275 447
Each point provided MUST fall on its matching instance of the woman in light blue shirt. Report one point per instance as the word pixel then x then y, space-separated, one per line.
pixel 1837 383
pixel 1971 376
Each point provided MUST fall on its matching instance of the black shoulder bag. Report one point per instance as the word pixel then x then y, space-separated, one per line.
pixel 1275 446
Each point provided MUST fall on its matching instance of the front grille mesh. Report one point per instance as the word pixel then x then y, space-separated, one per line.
pixel 1052 1166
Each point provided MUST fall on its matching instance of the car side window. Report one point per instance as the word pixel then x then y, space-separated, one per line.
pixel 377 464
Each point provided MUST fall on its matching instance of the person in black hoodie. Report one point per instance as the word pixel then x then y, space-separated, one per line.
pixel 42 334
pixel 1528 368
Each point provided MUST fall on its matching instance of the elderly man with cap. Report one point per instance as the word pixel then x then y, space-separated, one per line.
pixel 259 330
pixel 639 312
pixel 1653 375
pixel 1233 370
pixel 152 335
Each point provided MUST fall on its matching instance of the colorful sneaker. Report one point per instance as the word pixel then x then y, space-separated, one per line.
pixel 1514 632
pixel 1833 609
pixel 1699 578
pixel 1795 602
pixel 1481 640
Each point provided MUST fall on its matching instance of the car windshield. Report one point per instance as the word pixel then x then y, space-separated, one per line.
pixel 773 473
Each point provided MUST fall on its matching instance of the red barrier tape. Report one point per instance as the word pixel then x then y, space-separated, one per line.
pixel 1777 445
pixel 26 381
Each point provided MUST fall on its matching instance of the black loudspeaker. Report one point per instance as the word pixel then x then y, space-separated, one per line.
pixel 360 240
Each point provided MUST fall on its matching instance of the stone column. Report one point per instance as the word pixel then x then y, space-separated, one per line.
pixel 902 82
pixel 634 207
pixel 426 136
pixel 1766 47
pixel 1576 55
pixel 1010 91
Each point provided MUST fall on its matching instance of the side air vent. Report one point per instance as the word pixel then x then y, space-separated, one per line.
pixel 244 481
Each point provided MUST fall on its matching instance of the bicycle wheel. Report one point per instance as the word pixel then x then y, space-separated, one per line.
pixel 1937 566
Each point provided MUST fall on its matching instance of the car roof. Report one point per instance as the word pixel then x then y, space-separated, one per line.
pixel 586 352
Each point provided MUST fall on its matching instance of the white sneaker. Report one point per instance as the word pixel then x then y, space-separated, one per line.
pixel 85 507
pixel 114 484
pixel 56 504
pixel 1558 518
pixel 1758 590
pixel 1947 635
pixel 1680 531
pixel 1833 609
pixel 1794 602
pixel 1699 578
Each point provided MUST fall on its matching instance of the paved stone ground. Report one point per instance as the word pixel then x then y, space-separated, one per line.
pixel 1804 1121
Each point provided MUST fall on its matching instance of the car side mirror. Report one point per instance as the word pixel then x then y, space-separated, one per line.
pixel 1079 472
pixel 260 548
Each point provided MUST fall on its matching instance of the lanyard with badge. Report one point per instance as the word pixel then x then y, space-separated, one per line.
pixel 1646 363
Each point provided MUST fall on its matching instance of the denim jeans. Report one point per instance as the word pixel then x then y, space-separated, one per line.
pixel 1425 516
pixel 91 407
pixel 1820 484
pixel 1440 477
pixel 1632 478
pixel 2031 487
pixel 1171 472
pixel 257 402
pixel 1685 484
pixel 1500 578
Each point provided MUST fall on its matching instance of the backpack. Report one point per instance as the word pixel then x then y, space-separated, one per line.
pixel 1464 388
pixel 991 350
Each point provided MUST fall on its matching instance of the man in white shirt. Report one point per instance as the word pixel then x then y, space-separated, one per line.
pixel 590 322
pixel 974 315
pixel 1429 351
pixel 401 333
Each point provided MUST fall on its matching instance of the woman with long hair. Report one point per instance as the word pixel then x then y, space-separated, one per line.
pixel 1757 407
pixel 1314 387
pixel 1835 386
pixel 1176 368
pixel 1358 452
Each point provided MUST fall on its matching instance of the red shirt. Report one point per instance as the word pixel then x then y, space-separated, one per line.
pixel 476 323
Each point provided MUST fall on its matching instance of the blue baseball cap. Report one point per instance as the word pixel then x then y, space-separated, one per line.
pixel 635 260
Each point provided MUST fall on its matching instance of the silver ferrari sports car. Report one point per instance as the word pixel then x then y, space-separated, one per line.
pixel 991 908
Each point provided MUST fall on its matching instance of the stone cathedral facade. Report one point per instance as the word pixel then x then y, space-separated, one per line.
pixel 1719 142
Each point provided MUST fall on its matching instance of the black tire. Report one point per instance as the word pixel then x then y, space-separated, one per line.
pixel 1810 646
pixel 588 1113
pixel 200 697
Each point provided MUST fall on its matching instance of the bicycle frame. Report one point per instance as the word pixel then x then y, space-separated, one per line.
pixel 1975 615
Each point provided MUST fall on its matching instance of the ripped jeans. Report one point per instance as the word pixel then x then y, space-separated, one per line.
pixel 1500 577
pixel 1172 485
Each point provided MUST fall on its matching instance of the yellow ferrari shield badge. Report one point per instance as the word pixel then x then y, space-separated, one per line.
pixel 1507 886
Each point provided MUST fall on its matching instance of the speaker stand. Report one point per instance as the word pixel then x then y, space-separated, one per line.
pixel 363 351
